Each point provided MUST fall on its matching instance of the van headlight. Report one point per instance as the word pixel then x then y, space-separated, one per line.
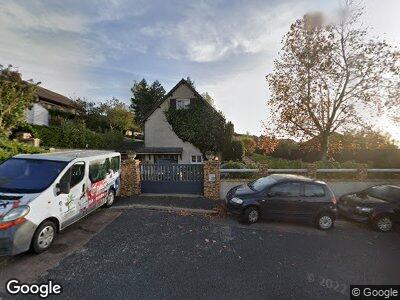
pixel 16 213
pixel 237 200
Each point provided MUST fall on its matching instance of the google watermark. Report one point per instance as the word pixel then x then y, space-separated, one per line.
pixel 375 292
pixel 43 290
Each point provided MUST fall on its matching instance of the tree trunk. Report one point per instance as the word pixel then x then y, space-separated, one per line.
pixel 324 140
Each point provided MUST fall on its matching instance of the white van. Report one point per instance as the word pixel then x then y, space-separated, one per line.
pixel 41 194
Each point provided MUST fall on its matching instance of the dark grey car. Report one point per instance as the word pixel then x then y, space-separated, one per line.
pixel 286 197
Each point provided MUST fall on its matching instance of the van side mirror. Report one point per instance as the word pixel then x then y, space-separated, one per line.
pixel 63 188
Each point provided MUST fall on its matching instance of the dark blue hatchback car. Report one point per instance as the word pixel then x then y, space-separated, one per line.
pixel 287 197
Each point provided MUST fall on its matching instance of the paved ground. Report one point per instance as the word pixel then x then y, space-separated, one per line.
pixel 194 202
pixel 146 254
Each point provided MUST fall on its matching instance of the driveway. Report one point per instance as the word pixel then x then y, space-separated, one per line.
pixel 153 254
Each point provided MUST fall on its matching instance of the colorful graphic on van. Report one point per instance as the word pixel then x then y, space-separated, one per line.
pixel 97 192
pixel 69 209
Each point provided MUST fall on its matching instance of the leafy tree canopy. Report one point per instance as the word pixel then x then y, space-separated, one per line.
pixel 119 116
pixel 16 96
pixel 329 77
pixel 144 97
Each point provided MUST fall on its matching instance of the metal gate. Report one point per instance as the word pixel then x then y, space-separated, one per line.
pixel 172 179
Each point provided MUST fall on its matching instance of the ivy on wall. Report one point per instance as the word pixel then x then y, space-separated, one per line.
pixel 200 125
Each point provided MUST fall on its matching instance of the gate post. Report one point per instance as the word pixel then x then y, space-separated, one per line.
pixel 212 179
pixel 130 178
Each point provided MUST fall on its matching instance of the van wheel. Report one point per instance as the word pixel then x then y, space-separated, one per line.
pixel 110 199
pixel 383 223
pixel 251 215
pixel 324 221
pixel 44 237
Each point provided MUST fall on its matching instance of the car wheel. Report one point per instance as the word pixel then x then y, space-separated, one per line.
pixel 110 199
pixel 44 237
pixel 325 221
pixel 383 223
pixel 251 215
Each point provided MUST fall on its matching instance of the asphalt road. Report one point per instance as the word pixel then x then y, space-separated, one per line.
pixel 146 254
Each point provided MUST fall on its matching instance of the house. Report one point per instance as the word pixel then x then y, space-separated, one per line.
pixel 48 100
pixel 161 144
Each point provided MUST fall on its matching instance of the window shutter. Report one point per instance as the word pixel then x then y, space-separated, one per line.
pixel 192 102
pixel 172 103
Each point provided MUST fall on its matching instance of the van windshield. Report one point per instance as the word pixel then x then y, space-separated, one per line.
pixel 19 175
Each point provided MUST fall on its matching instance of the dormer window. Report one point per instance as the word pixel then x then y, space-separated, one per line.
pixel 182 103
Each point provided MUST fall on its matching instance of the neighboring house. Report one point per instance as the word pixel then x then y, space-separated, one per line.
pixel 38 114
pixel 161 144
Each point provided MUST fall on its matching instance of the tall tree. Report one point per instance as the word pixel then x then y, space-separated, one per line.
pixel 208 98
pixel 16 96
pixel 191 82
pixel 144 97
pixel 329 76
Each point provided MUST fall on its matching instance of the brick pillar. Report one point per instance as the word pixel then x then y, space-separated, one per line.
pixel 312 171
pixel 212 179
pixel 362 174
pixel 263 170
pixel 130 178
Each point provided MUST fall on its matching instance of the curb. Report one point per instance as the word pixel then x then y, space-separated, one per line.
pixel 164 208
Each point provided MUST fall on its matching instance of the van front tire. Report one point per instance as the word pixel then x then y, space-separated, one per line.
pixel 110 199
pixel 43 237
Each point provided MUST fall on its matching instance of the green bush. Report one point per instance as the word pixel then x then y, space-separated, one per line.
pixel 76 136
pixel 200 125
pixel 11 148
pixel 280 163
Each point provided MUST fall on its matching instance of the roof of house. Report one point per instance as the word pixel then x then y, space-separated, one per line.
pixel 66 155
pixel 158 103
pixel 55 98
pixel 138 147
pixel 160 150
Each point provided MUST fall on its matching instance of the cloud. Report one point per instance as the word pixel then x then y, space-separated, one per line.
pixel 37 17
pixel 205 32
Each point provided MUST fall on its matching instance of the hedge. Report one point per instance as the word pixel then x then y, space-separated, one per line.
pixel 280 163
pixel 76 136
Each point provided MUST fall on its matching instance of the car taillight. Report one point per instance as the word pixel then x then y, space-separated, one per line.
pixel 333 200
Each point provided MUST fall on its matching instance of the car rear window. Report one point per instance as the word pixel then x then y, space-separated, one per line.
pixel 313 190
pixel 384 192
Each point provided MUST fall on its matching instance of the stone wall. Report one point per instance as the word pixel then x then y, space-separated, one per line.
pixel 212 179
pixel 130 178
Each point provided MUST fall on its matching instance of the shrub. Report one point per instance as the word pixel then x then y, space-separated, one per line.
pixel 76 135
pixel 11 148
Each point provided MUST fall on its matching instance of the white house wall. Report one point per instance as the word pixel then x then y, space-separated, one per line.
pixel 158 132
pixel 37 115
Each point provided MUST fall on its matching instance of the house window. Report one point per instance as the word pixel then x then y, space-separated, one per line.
pixel 197 159
pixel 182 104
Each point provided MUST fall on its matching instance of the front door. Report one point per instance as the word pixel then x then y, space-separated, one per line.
pixel 283 199
pixel 71 204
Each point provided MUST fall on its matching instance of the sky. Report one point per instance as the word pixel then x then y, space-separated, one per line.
pixel 97 48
